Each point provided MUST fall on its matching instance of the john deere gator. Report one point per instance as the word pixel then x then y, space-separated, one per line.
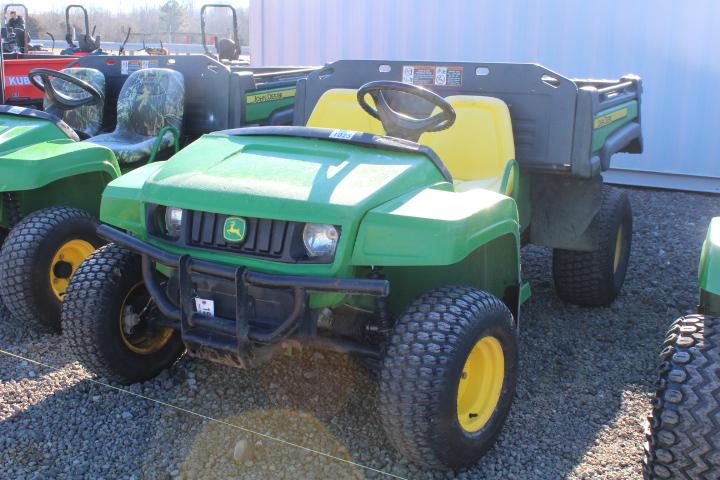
pixel 105 116
pixel 388 226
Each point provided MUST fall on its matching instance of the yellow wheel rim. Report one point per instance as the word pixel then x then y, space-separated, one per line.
pixel 136 303
pixel 480 384
pixel 618 249
pixel 66 260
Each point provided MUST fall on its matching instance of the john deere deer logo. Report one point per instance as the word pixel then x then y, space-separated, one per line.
pixel 234 229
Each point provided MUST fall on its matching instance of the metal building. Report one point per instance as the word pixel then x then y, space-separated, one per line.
pixel 671 45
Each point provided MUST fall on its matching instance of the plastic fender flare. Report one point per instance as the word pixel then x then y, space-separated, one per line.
pixel 33 171
pixel 709 272
pixel 433 227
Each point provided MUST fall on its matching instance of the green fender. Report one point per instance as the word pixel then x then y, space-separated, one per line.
pixel 122 203
pixel 43 163
pixel 709 273
pixel 434 227
pixel 438 237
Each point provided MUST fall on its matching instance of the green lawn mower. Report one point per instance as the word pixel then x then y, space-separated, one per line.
pixel 388 227
pixel 683 436
pixel 106 116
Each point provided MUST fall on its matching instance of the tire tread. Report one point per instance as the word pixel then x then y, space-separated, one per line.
pixel 21 245
pixel 682 439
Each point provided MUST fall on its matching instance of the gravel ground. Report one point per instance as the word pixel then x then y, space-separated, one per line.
pixel 585 387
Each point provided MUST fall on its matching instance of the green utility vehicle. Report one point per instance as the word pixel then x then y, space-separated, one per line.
pixel 683 436
pixel 388 227
pixel 54 164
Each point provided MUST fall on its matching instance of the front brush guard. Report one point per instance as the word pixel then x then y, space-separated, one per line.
pixel 216 337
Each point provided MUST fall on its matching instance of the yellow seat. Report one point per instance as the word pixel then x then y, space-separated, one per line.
pixel 476 149
pixel 339 108
pixel 479 145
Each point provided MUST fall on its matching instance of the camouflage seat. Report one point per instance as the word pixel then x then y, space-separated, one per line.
pixel 85 120
pixel 150 99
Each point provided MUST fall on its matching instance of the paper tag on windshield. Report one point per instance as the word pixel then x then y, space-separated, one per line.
pixel 205 307
pixel 343 134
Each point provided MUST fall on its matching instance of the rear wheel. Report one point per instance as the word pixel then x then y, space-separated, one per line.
pixel 595 278
pixel 683 435
pixel 39 257
pixel 449 377
pixel 111 322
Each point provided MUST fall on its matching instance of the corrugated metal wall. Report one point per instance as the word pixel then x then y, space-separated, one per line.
pixel 672 45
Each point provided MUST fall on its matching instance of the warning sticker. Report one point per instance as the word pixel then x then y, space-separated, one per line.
pixel 431 75
pixel 129 66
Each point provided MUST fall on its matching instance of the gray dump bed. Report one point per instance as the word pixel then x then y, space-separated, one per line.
pixel 559 125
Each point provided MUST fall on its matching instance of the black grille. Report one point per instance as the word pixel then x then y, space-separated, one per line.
pixel 263 237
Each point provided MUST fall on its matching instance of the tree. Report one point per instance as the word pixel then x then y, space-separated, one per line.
pixel 34 27
pixel 173 15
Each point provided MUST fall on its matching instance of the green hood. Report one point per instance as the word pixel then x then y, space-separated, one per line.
pixel 35 152
pixel 298 179
pixel 19 131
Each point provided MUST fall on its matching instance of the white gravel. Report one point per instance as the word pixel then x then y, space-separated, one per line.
pixel 585 385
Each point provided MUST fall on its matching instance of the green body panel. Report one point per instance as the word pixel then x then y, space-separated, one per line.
pixel 522 198
pixel 42 163
pixel 42 167
pixel 434 227
pixel 294 179
pixel 18 132
pixel 395 210
pixel 80 191
pixel 121 203
pixel 260 104
pixel 492 266
pixel 608 121
pixel 709 272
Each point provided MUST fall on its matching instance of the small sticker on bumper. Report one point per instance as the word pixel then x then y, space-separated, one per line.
pixel 205 307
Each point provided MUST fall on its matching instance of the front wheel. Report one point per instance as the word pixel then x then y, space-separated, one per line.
pixel 449 377
pixel 39 257
pixel 111 322
pixel 683 434
pixel 594 279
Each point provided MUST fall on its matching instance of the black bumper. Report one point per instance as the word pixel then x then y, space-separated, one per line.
pixel 204 334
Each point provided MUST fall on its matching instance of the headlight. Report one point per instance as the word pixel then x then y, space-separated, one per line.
pixel 320 240
pixel 173 221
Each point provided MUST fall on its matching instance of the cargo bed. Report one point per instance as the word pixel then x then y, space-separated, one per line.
pixel 560 125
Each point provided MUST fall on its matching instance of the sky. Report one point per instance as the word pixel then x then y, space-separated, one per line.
pixel 41 5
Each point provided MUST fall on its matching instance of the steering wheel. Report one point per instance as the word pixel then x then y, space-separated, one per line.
pixel 398 124
pixel 62 101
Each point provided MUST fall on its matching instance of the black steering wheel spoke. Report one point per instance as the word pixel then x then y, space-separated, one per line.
pixel 397 124
pixel 41 78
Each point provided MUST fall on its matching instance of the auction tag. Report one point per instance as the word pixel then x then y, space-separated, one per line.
pixel 205 307
pixel 342 134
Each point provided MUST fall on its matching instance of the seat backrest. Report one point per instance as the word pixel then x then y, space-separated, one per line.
pixel 339 108
pixel 88 118
pixel 479 145
pixel 150 99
